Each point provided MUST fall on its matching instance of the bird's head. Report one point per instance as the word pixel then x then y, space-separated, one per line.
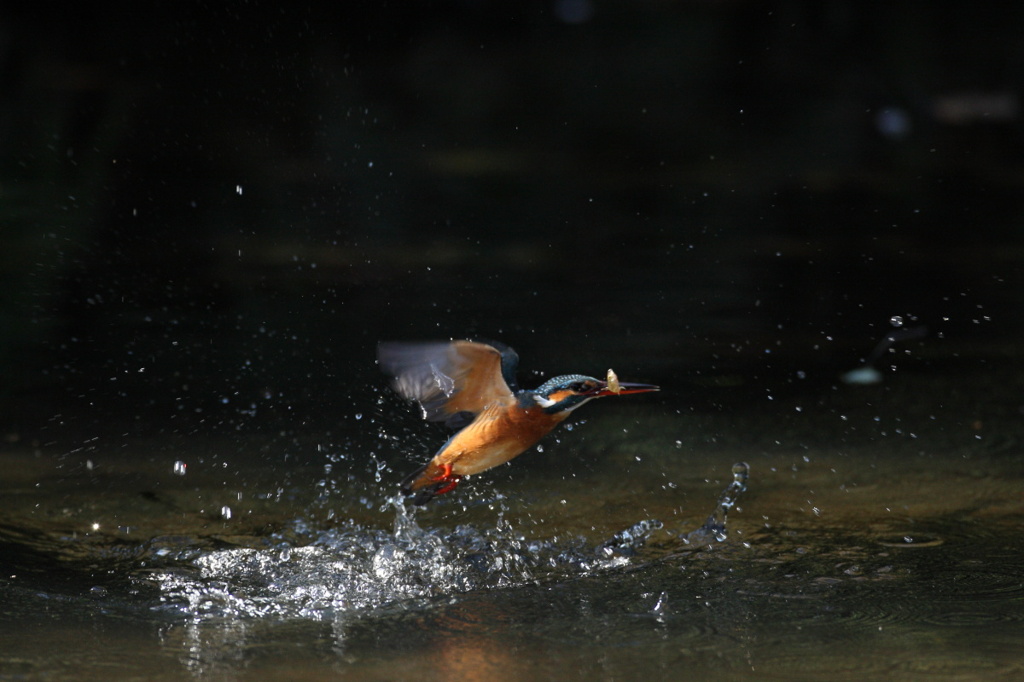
pixel 565 393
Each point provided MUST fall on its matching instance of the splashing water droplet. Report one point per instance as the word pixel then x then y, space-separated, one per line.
pixel 628 542
pixel 714 527
pixel 661 608
pixel 351 567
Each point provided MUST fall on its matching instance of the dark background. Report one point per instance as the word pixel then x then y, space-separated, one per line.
pixel 210 215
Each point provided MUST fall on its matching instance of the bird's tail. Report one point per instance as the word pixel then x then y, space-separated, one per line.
pixel 428 482
pixel 408 483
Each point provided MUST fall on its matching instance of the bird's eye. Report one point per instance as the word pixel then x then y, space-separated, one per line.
pixel 579 387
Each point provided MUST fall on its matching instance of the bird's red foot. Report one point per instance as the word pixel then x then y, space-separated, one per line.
pixel 449 486
pixel 422 489
pixel 446 481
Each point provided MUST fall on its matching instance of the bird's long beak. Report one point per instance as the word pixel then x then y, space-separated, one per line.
pixel 625 388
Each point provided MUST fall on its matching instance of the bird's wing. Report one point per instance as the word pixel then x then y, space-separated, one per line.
pixel 447 379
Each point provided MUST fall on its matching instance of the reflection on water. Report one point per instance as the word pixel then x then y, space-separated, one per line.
pixel 847 605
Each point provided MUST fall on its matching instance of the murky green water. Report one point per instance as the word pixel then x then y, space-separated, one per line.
pixel 879 536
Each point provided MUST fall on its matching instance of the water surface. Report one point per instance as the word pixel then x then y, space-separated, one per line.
pixel 872 540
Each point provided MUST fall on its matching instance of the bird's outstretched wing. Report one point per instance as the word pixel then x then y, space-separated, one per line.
pixel 449 379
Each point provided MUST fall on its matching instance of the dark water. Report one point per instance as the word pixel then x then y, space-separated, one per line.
pixel 209 218
pixel 869 541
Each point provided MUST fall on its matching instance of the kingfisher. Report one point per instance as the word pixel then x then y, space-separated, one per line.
pixel 471 386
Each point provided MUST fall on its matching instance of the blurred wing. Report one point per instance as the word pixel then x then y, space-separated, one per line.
pixel 449 378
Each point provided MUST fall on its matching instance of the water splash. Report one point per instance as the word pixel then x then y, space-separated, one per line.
pixel 714 527
pixel 354 568
pixel 630 541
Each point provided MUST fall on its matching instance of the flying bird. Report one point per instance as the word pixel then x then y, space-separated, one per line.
pixel 471 386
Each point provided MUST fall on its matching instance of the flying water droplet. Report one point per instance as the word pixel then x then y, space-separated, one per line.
pixel 351 567
pixel 661 608
pixel 714 527
pixel 628 542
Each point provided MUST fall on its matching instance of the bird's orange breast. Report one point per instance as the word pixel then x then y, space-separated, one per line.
pixel 497 435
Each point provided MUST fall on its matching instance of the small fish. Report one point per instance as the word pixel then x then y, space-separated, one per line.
pixel 613 382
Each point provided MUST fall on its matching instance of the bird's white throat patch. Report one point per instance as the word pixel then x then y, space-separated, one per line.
pixel 542 401
pixel 548 402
